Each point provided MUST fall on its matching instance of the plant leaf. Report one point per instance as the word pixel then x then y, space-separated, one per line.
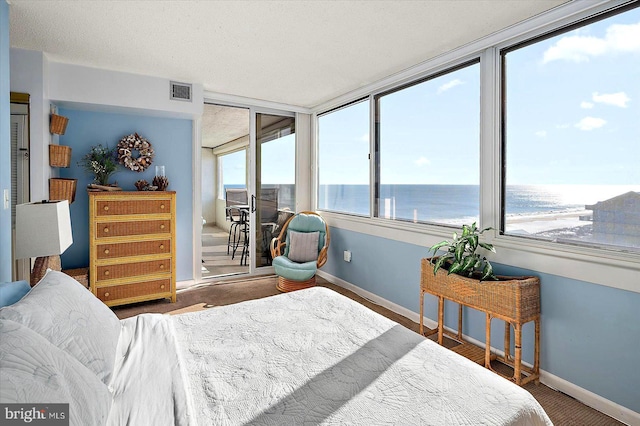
pixel 468 263
pixel 487 271
pixel 439 263
pixel 455 268
pixel 473 242
pixel 434 248
pixel 488 247
pixel 459 252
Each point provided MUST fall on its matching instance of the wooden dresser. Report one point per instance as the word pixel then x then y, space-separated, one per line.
pixel 132 239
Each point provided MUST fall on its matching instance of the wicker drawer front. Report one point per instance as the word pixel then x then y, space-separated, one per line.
pixel 132 207
pixel 120 229
pixel 126 291
pixel 124 270
pixel 139 248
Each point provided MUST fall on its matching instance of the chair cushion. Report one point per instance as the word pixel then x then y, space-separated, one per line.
pixel 10 293
pixel 303 246
pixel 303 222
pixel 290 270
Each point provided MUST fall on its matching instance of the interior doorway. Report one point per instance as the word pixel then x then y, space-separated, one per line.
pixel 225 169
pixel 19 173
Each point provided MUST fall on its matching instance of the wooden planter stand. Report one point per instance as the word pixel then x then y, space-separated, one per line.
pixel 515 300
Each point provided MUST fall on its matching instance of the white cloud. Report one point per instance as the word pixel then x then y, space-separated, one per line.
pixel 365 137
pixel 619 99
pixel 541 133
pixel 563 126
pixel 422 161
pixel 586 105
pixel 590 123
pixel 578 48
pixel 450 85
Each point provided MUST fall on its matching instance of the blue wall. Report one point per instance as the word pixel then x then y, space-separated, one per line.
pixel 590 334
pixel 5 144
pixel 172 143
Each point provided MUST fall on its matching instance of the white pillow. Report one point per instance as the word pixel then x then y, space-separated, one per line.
pixel 32 370
pixel 65 313
pixel 303 246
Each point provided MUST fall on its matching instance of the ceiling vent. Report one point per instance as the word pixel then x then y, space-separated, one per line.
pixel 180 91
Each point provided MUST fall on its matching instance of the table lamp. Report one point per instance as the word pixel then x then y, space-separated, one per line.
pixel 43 231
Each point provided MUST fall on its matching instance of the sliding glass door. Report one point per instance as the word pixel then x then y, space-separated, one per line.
pixel 275 178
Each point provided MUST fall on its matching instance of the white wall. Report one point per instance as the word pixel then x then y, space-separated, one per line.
pixel 104 88
pixel 209 186
pixel 29 74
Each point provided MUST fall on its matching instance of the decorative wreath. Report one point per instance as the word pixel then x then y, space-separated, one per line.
pixel 128 145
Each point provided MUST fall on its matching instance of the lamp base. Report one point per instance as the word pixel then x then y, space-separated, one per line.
pixel 42 264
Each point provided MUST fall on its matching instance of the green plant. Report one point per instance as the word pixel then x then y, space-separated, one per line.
pixel 101 161
pixel 461 254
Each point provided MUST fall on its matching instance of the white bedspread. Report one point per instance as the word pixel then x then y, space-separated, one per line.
pixel 148 385
pixel 316 357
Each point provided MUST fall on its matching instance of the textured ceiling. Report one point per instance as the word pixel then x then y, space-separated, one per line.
pixel 295 52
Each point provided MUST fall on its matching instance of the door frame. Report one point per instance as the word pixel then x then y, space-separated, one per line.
pixel 254 107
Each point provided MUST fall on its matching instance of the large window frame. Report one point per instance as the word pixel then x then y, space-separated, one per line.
pixel 378 147
pixel 595 265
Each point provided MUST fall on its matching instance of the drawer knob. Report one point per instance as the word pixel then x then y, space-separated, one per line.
pixel 106 294
pixel 106 230
pixel 106 251
pixel 106 272
pixel 161 206
pixel 106 208
pixel 162 287
pixel 162 266
pixel 162 226
pixel 161 246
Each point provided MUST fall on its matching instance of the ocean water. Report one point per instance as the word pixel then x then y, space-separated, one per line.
pixel 457 204
pixel 454 204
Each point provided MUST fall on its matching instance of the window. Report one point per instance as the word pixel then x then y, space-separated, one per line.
pixel 428 149
pixel 571 169
pixel 343 159
pixel 232 169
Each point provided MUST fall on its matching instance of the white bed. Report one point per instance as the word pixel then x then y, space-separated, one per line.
pixel 307 357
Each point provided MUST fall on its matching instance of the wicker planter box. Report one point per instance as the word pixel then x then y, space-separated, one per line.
pixel 59 156
pixel 515 299
pixel 62 189
pixel 58 124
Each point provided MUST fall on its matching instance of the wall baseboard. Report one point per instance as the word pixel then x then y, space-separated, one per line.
pixel 585 396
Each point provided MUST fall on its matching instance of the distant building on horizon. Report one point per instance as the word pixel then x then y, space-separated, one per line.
pixel 617 220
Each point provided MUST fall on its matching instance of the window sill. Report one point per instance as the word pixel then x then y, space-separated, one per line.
pixel 609 268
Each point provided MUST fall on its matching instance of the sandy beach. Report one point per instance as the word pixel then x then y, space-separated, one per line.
pixel 557 222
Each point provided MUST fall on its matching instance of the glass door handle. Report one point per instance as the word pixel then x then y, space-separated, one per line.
pixel 253 203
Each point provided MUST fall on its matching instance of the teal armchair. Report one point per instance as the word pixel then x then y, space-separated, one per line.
pixel 299 250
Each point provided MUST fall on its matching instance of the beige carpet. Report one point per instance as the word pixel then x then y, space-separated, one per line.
pixel 562 409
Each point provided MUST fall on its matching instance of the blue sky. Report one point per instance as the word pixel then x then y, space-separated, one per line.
pixel 573 117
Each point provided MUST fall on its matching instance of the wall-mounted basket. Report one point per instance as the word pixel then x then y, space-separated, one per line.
pixel 59 156
pixel 58 124
pixel 62 189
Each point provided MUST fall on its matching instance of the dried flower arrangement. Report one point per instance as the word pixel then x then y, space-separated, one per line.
pixel 101 161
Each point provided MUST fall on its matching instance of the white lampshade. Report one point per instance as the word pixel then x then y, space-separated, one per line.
pixel 42 229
